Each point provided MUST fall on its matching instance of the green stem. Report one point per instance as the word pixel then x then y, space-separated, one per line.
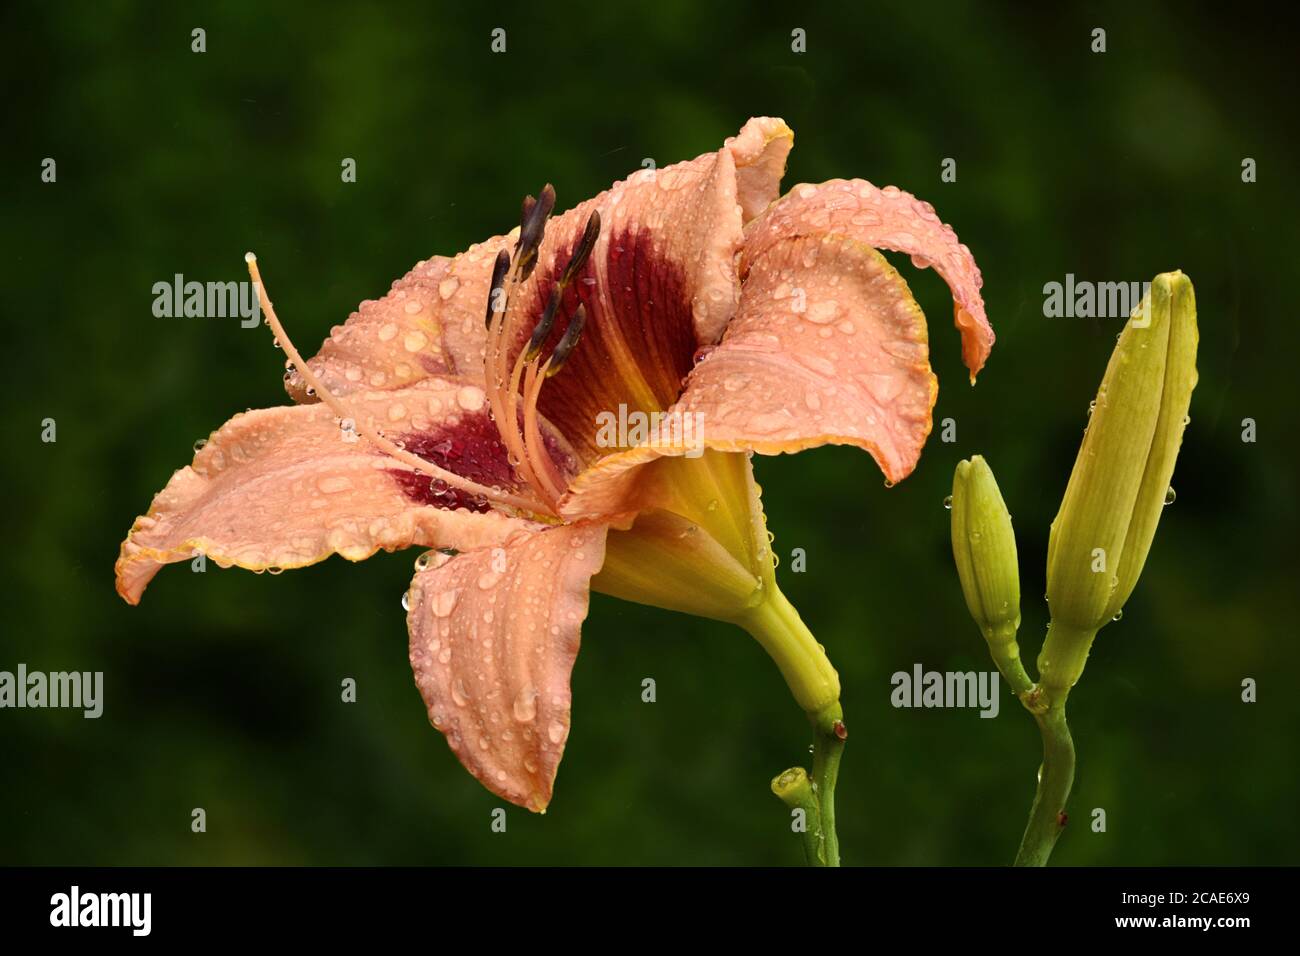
pixel 776 625
pixel 828 748
pixel 796 792
pixel 1047 817
pixel 1006 655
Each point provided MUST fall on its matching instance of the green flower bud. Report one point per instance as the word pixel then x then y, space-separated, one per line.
pixel 1119 486
pixel 984 547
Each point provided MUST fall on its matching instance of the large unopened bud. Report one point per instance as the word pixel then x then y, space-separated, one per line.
pixel 1120 483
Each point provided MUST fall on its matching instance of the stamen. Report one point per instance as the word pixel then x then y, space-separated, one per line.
pixel 531 229
pixel 364 429
pixel 496 303
pixel 544 326
pixel 551 478
pixel 588 242
pixel 590 233
pixel 527 450
pixel 494 377
pixel 567 342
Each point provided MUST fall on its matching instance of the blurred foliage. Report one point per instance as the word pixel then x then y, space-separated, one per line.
pixel 222 690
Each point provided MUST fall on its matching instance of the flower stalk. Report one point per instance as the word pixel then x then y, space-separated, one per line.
pixel 1099 540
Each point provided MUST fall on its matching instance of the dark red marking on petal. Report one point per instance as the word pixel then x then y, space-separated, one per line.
pixel 471 448
pixel 644 296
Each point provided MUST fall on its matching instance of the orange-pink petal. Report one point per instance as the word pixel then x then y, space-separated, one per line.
pixel 429 324
pixel 286 487
pixel 829 347
pixel 494 635
pixel 661 282
pixel 886 218
pixel 760 150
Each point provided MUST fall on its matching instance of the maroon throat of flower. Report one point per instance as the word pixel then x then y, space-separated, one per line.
pixel 512 390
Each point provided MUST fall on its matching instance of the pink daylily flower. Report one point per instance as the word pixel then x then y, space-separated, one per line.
pixel 460 413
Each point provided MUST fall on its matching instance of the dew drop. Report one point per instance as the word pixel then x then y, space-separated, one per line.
pixel 1118 614
pixel 406 600
pixel 200 444
pixel 458 695
pixel 470 398
pixel 445 602
pixel 1170 495
pixel 947 503
pixel 525 706
pixel 333 484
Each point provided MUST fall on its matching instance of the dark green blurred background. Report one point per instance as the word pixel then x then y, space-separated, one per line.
pixel 222 689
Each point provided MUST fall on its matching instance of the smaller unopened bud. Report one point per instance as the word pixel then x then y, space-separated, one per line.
pixel 984 549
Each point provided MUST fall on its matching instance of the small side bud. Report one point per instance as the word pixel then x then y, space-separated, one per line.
pixel 984 548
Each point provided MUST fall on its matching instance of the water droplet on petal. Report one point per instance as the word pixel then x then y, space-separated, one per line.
pixel 947 502
pixel 556 732
pixel 334 484
pixel 525 706
pixel 1170 495
pixel 470 398
pixel 200 445
pixel 445 602
pixel 1118 614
